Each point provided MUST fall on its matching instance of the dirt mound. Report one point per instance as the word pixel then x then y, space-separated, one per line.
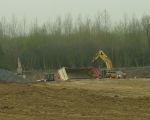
pixel 7 76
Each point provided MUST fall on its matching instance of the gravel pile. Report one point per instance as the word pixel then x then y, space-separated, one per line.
pixel 7 76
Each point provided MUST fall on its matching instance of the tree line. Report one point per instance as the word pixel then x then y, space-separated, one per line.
pixel 73 43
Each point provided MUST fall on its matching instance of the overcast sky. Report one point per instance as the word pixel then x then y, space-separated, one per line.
pixel 49 9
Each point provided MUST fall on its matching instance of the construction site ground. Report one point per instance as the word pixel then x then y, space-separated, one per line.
pixel 76 100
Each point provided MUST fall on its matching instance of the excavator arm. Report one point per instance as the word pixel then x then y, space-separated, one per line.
pixel 101 55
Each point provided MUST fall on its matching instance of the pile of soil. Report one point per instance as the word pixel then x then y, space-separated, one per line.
pixel 8 76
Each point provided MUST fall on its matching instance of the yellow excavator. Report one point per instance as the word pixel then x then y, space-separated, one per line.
pixel 109 72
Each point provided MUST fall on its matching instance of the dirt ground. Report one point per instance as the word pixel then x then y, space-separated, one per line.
pixel 76 100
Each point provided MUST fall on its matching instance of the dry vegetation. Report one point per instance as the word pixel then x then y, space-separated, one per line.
pixel 76 100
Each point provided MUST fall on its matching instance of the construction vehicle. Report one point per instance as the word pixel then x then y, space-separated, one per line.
pixel 109 72
pixel 78 73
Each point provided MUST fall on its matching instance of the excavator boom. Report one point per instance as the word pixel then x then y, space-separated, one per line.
pixel 101 55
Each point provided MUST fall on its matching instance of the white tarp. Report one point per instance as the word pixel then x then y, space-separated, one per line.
pixel 62 73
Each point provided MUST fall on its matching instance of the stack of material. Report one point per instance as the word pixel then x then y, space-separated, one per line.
pixel 63 74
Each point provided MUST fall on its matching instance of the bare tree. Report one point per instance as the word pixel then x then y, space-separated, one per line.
pixel 146 26
pixel 1 30
pixel 57 26
pixel 68 24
